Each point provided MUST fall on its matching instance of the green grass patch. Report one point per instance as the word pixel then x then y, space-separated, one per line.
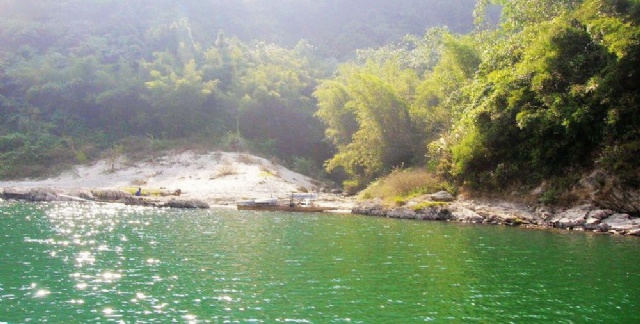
pixel 265 174
pixel 428 204
pixel 399 201
pixel 153 192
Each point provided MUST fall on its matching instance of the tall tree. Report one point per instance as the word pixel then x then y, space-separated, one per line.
pixel 367 114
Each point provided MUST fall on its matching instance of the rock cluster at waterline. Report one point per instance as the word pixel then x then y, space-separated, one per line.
pixel 99 195
pixel 584 217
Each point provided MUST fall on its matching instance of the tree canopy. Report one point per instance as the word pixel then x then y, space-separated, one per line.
pixel 542 95
pixel 548 89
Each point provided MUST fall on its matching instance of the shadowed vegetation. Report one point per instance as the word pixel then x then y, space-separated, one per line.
pixel 547 91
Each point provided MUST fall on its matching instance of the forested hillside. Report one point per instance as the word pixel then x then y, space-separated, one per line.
pixel 80 78
pixel 549 92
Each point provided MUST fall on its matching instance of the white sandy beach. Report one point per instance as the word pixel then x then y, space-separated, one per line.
pixel 219 178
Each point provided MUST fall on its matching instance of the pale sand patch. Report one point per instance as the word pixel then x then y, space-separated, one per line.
pixel 218 178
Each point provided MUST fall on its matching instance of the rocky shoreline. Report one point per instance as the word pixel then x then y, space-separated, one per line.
pixel 585 217
pixel 437 207
pixel 606 206
pixel 41 194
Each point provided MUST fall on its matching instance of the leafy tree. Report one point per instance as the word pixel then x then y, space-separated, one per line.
pixel 534 116
pixel 276 104
pixel 177 94
pixel 375 99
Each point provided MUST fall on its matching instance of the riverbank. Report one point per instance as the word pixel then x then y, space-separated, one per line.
pixel 211 179
pixel 220 179
pixel 585 217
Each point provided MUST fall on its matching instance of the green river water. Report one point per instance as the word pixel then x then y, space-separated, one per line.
pixel 79 263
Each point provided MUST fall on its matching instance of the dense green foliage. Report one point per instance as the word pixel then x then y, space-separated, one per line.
pixel 81 105
pixel 78 78
pixel 553 95
pixel 552 91
pixel 382 115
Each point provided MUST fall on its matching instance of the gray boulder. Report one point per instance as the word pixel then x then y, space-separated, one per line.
pixel 43 195
pixel 620 222
pixel 16 193
pixel 402 213
pixel 599 213
pixel 544 212
pixel 370 208
pixel 608 192
pixel 442 196
pixel 571 218
pixel 187 204
pixel 505 213
pixel 634 232
pixel 139 201
pixel 603 227
pixel 439 213
pixel 592 224
pixel 594 219
pixel 466 215
pixel 110 194
pixel 31 194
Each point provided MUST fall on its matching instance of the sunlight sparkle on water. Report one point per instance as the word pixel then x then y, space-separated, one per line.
pixel 41 293
pixel 80 262
pixel 108 277
pixel 225 298
pixel 158 308
pixel 191 318
pixel 85 258
pixel 81 286
pixel 103 247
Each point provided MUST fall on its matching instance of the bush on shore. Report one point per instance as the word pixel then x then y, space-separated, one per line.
pixel 402 184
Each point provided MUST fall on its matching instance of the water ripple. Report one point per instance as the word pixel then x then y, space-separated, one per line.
pixel 115 263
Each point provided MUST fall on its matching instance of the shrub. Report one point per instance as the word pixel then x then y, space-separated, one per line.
pixel 12 142
pixel 621 160
pixel 234 142
pixel 81 157
pixel 399 201
pixel 246 159
pixel 549 197
pixel 266 172
pixel 351 186
pixel 411 182
pixel 226 169
pixel 301 165
pixel 139 182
